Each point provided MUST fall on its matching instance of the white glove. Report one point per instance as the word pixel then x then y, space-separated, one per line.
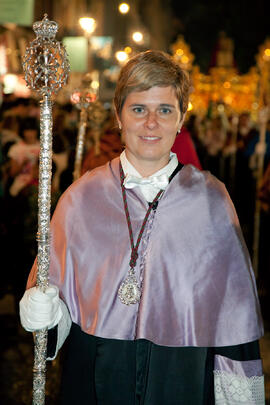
pixel 39 310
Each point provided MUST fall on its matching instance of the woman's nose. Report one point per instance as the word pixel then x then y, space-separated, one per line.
pixel 151 120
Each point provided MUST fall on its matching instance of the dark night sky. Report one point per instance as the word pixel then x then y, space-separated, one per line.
pixel 200 22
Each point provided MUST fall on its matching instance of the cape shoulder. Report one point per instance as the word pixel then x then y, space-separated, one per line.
pixel 197 182
pixel 95 181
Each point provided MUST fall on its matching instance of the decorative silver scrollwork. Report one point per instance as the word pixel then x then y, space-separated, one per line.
pixel 45 62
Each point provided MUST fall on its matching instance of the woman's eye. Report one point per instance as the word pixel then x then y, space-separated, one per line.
pixel 165 110
pixel 138 110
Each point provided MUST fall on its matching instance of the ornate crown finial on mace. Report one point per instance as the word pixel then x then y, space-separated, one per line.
pixel 45 63
pixel 46 68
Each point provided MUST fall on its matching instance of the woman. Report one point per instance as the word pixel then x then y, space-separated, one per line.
pixel 151 266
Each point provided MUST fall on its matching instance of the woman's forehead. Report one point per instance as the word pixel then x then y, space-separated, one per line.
pixel 156 95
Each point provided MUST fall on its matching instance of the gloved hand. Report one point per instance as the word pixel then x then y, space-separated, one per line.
pixel 39 310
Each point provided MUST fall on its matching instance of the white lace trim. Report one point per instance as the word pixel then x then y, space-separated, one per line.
pixel 231 389
pixel 63 329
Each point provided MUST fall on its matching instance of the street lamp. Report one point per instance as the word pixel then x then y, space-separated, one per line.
pixel 137 36
pixel 124 8
pixel 121 56
pixel 88 24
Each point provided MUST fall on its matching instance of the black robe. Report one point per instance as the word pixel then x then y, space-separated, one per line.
pixel 100 371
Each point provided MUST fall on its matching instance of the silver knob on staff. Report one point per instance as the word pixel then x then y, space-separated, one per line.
pixel 46 68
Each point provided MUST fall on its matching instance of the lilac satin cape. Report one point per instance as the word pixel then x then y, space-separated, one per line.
pixel 198 287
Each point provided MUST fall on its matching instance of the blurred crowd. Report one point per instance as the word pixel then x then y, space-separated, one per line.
pixel 229 147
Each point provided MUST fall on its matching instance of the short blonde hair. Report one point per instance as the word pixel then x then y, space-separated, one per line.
pixel 149 69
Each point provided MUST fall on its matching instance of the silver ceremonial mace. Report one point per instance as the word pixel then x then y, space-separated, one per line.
pixel 82 98
pixel 46 68
pixel 97 117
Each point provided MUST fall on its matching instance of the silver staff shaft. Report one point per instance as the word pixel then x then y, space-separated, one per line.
pixel 39 369
pixel 82 97
pixel 97 118
pixel 44 191
pixel 80 144
pixel 43 237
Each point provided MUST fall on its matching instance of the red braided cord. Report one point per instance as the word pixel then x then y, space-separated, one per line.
pixel 134 250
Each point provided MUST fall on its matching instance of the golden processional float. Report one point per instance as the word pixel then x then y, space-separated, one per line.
pixel 223 90
pixel 231 94
pixel 223 85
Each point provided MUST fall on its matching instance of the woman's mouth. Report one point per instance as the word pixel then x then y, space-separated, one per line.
pixel 150 138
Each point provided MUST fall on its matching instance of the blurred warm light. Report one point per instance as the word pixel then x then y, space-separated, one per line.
pixel 79 97
pixel 184 59
pixel 121 56
pixel 228 100
pixel 137 36
pixel 3 60
pixel 95 84
pixel 123 8
pixel 267 52
pixel 220 108
pixel 88 24
pixel 227 85
pixel 15 84
pixel 179 52
pixel 255 105
pixel 128 49
pixel 190 106
pixel 75 97
pixel 10 82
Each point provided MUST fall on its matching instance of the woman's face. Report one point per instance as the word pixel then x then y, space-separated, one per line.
pixel 150 121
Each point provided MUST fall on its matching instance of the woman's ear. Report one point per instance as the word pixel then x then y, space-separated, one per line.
pixel 181 122
pixel 118 120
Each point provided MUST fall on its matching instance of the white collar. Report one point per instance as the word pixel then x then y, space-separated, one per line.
pixel 128 168
pixel 149 192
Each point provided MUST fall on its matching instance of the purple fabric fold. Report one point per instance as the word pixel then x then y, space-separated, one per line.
pixel 198 285
pixel 249 368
